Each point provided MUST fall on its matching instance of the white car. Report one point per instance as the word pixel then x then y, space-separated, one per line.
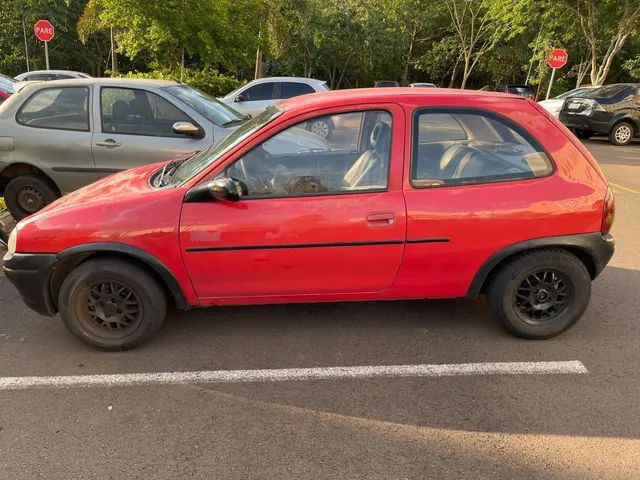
pixel 554 105
pixel 257 95
pixel 47 75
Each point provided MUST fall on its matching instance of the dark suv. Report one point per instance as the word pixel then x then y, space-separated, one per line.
pixel 612 110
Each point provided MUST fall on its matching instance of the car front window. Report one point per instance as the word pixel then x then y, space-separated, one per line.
pixel 212 109
pixel 195 164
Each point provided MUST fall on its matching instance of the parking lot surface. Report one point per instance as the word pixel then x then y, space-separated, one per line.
pixel 581 423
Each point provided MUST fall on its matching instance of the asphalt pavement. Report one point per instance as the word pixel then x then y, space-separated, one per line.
pixel 477 426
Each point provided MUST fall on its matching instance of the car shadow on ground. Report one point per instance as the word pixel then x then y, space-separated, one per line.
pixel 444 331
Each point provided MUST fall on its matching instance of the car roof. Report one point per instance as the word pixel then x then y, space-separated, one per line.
pixel 390 95
pixel 106 81
pixel 52 71
pixel 287 79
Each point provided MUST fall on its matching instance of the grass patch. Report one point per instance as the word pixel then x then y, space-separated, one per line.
pixel 2 204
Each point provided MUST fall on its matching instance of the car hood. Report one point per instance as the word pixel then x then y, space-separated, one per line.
pixel 118 208
pixel 124 184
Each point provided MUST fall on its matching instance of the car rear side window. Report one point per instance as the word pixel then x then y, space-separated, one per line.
pixel 259 92
pixel 138 112
pixel 294 89
pixel 457 146
pixel 64 108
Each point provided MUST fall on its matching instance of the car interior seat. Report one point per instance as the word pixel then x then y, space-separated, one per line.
pixel 370 169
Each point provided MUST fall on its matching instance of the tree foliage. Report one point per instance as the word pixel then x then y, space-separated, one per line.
pixel 349 43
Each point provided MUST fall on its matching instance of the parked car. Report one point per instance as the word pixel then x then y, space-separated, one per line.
pixel 612 110
pixel 522 90
pixel 6 87
pixel 436 194
pixel 554 105
pixel 257 95
pixel 61 135
pixel 422 85
pixel 47 75
pixel 385 83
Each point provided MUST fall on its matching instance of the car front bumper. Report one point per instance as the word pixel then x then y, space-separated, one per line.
pixel 30 274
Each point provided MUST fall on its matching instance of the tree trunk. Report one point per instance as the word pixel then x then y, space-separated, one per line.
pixel 466 72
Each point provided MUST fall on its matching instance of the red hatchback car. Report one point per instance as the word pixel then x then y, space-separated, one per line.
pixel 418 194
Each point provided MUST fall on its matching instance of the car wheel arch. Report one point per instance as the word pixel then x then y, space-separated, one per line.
pixel 634 122
pixel 578 245
pixel 15 170
pixel 72 257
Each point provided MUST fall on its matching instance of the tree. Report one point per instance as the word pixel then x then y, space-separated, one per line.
pixel 221 32
pixel 606 24
pixel 478 30
pixel 65 50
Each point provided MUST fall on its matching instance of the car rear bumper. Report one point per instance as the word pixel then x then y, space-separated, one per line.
pixel 601 249
pixel 584 122
pixel 30 274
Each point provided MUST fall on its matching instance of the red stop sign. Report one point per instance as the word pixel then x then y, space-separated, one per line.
pixel 44 30
pixel 558 58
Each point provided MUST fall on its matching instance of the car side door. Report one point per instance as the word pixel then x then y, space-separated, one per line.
pixel 255 98
pixel 52 131
pixel 313 221
pixel 134 126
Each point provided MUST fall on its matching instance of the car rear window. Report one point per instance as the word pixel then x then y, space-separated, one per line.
pixel 458 146
pixel 606 91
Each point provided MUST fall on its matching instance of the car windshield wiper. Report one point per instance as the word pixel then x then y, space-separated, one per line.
pixel 169 169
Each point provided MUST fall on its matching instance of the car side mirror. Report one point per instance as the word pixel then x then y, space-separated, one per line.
pixel 188 129
pixel 220 188
pixel 239 98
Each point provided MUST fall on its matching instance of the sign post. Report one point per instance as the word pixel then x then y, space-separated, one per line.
pixel 556 60
pixel 45 33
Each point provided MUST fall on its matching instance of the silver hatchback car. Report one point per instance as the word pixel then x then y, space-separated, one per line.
pixel 58 136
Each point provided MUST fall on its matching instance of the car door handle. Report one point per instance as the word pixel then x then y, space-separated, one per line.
pixel 381 218
pixel 109 142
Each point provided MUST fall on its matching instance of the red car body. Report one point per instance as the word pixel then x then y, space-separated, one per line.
pixel 401 243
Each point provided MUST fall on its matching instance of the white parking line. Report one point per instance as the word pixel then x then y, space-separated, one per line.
pixel 289 374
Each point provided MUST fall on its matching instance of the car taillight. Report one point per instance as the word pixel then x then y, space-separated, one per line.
pixel 608 212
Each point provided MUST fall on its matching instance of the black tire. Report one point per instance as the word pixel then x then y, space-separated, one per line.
pixel 621 134
pixel 27 194
pixel 323 127
pixel 95 309
pixel 583 134
pixel 517 307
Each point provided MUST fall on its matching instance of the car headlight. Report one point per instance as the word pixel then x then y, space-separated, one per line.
pixel 11 244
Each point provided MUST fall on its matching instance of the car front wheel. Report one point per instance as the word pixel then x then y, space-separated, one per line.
pixel 583 134
pixel 621 133
pixel 540 294
pixel 112 304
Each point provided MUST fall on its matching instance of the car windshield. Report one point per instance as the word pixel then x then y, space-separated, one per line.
pixel 212 109
pixel 606 91
pixel 195 164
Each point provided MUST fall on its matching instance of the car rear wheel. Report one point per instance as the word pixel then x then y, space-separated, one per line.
pixel 112 304
pixel 540 294
pixel 321 128
pixel 621 133
pixel 27 194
